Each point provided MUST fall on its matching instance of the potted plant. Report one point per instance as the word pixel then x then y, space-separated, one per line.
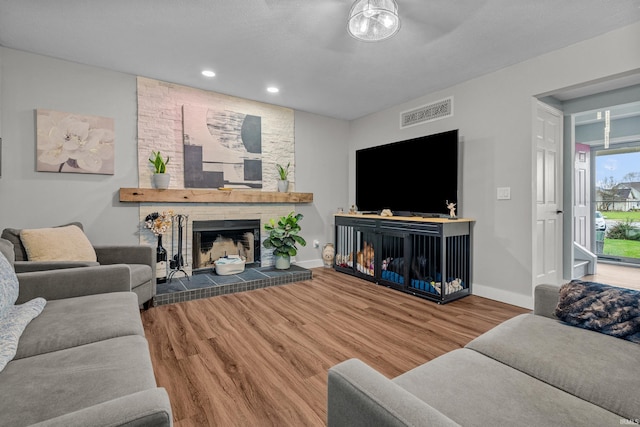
pixel 283 238
pixel 283 173
pixel 160 176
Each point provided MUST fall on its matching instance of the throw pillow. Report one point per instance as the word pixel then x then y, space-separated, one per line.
pixel 13 321
pixel 57 244
pixel 603 308
pixel 9 287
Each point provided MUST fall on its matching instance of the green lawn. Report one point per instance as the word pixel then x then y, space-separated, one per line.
pixel 624 248
pixel 621 216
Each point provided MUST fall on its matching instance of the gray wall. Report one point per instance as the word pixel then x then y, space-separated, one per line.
pixel 38 199
pixel 494 115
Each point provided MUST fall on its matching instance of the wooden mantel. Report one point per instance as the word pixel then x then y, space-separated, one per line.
pixel 150 195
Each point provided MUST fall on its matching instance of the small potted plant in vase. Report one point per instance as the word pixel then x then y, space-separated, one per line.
pixel 160 176
pixel 283 173
pixel 283 238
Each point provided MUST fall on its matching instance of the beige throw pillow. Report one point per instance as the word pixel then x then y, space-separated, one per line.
pixel 57 244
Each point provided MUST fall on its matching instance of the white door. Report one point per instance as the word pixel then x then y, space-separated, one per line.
pixel 547 136
pixel 582 197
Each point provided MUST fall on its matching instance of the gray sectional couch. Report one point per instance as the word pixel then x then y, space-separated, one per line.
pixel 84 360
pixel 532 370
pixel 140 260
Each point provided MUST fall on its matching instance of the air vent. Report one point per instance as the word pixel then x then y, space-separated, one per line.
pixel 427 113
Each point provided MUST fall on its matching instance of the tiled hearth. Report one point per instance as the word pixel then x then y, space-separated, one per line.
pixel 209 284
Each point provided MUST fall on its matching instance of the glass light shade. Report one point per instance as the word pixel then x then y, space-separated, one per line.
pixel 373 20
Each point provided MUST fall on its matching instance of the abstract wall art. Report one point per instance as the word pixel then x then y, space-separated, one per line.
pixel 222 148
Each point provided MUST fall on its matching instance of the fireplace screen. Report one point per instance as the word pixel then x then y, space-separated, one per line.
pixel 216 239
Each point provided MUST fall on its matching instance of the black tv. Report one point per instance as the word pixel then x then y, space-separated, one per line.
pixel 416 177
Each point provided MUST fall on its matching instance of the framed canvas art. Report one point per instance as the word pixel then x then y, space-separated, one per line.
pixel 74 143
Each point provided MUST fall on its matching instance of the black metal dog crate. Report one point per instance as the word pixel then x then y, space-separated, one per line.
pixel 430 258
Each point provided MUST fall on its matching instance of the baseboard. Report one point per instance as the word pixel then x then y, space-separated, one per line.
pixel 520 300
pixel 310 263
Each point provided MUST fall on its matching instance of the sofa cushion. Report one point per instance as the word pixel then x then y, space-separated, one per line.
pixel 57 244
pixel 49 385
pixel 595 367
pixel 607 309
pixel 71 322
pixel 13 236
pixel 475 390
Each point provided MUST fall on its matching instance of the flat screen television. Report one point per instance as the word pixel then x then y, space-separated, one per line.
pixel 416 177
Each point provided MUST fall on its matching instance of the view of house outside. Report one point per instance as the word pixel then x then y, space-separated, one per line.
pixel 618 202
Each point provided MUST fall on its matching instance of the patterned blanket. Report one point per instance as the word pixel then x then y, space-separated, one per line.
pixel 603 308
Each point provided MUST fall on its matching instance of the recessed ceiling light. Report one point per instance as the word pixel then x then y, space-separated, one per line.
pixel 208 73
pixel 273 89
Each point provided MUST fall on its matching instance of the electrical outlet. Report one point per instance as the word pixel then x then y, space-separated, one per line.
pixel 316 244
pixel 504 193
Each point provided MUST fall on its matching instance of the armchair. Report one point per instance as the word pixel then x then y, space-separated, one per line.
pixel 136 262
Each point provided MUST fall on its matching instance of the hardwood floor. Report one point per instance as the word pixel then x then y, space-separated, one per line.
pixel 260 358
pixel 616 275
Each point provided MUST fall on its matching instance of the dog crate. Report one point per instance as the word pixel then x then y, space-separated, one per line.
pixel 430 258
pixel 393 253
pixel 355 247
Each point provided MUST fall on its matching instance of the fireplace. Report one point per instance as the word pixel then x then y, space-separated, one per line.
pixel 217 238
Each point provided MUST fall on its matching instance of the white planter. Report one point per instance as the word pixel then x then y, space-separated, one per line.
pixel 283 262
pixel 283 186
pixel 161 180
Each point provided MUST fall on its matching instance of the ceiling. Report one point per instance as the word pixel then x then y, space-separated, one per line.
pixel 302 46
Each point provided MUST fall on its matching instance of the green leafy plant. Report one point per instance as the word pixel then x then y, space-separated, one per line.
pixel 283 235
pixel 159 164
pixel 283 171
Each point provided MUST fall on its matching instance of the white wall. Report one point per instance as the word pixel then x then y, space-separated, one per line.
pixel 494 116
pixel 38 199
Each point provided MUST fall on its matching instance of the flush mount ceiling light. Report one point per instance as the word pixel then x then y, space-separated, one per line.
pixel 208 73
pixel 373 20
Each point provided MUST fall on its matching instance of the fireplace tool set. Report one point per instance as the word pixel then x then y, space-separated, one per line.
pixel 179 245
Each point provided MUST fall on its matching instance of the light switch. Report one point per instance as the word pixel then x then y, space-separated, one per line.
pixel 504 193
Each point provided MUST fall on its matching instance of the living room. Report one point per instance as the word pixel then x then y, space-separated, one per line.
pixel 493 113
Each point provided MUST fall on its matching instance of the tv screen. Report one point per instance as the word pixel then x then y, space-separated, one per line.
pixel 413 177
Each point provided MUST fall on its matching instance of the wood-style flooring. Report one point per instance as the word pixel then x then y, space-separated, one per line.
pixel 616 275
pixel 260 358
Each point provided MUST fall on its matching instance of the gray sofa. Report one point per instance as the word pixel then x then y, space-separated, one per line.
pixel 532 370
pixel 84 360
pixel 140 260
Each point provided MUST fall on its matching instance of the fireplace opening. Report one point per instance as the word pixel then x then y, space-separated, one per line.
pixel 218 238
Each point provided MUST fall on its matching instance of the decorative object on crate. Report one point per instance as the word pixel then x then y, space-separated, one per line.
pixel 232 264
pixel 283 238
pixel 328 254
pixel 452 209
pixel 159 224
pixel 160 176
pixel 386 212
pixel 283 173
pixel 353 210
